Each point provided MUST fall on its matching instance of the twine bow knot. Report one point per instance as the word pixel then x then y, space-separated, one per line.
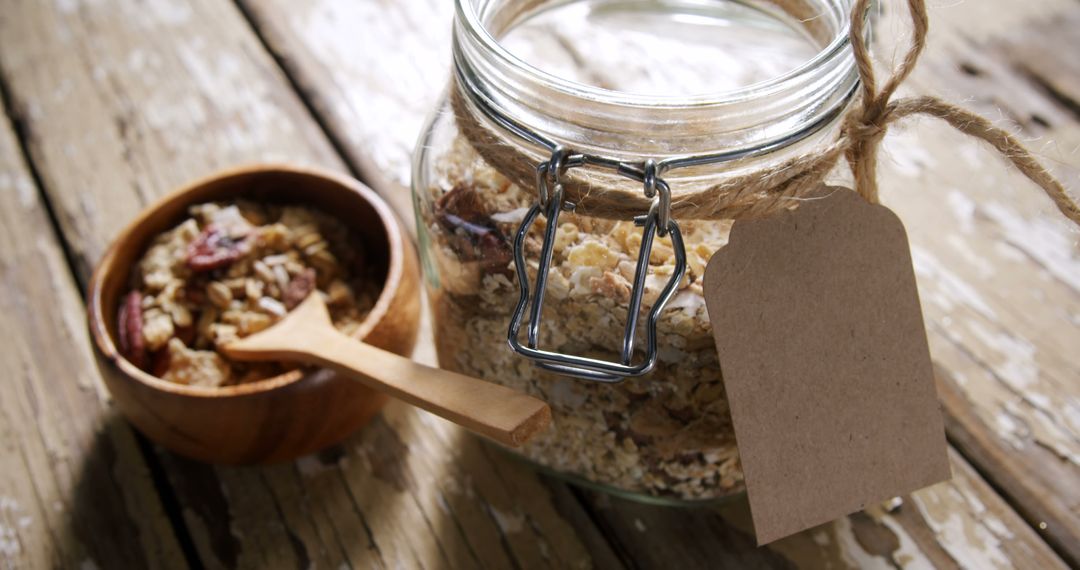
pixel 866 126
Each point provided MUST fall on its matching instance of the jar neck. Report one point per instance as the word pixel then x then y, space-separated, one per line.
pixel 769 115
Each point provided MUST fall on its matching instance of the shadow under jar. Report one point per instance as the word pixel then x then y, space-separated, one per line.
pixel 628 83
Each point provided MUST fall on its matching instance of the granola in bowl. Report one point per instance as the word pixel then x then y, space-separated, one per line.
pixel 666 434
pixel 230 270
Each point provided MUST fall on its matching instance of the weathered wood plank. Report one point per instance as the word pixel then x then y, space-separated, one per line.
pixel 961 523
pixel 121 102
pixel 997 267
pixel 74 488
pixel 372 70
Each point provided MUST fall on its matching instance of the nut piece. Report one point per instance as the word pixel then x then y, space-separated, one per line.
pixel 592 253
pixel 272 306
pixel 338 292
pixel 247 322
pixel 221 275
pixel 281 277
pixel 306 236
pixel 196 367
pixel 263 271
pixel 219 294
pixel 157 328
pixel 130 325
pixel 221 334
pixel 181 315
pixel 299 288
pixel 253 289
pixel 215 248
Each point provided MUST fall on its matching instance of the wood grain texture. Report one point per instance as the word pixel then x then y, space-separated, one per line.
pixel 121 102
pixel 410 490
pixel 118 103
pixel 373 71
pixel 957 524
pixel 74 487
pixel 997 267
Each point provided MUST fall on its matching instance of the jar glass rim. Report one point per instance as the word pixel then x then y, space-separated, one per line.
pixel 838 46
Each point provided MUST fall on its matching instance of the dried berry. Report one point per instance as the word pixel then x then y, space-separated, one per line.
pixel 474 235
pixel 186 334
pixel 159 363
pixel 130 325
pixel 463 202
pixel 215 248
pixel 299 288
pixel 494 251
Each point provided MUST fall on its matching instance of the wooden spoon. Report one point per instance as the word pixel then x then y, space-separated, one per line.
pixel 307 335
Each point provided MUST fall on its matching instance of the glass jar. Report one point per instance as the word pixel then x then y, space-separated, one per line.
pixel 630 81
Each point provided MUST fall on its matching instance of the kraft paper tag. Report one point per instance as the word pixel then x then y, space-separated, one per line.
pixel 825 361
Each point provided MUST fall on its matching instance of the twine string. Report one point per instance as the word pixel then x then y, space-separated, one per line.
pixel 767 190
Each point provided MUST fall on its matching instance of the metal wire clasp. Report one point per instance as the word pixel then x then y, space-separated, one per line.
pixel 657 221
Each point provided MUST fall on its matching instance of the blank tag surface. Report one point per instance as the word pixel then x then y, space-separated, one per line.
pixel 822 345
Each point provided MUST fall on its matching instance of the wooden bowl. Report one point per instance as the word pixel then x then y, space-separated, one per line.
pixel 278 418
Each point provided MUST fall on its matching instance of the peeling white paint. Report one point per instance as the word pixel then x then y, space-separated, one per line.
pixel 906 153
pixel 1070 412
pixel 1008 252
pixel 9 504
pixel 963 208
pixel 970 542
pixel 63 89
pixel 66 6
pixel 1046 239
pixel 1009 429
pixel 945 288
pixel 1018 367
pixel 509 523
pixel 170 12
pixel 983 266
pixel 443 505
pixel 997 527
pixel 907 555
pixel 243 122
pixel 9 542
pixel 136 60
pixel 391 112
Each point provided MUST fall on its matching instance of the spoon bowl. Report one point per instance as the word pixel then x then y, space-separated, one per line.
pixel 282 417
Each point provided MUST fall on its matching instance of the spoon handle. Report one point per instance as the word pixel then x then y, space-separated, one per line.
pixel 306 335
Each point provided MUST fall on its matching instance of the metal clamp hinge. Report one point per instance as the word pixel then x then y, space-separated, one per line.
pixel 657 222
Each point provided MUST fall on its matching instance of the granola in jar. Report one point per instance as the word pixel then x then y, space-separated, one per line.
pixel 230 270
pixel 667 433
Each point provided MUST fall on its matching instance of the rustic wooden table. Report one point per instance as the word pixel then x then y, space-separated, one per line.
pixel 110 103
